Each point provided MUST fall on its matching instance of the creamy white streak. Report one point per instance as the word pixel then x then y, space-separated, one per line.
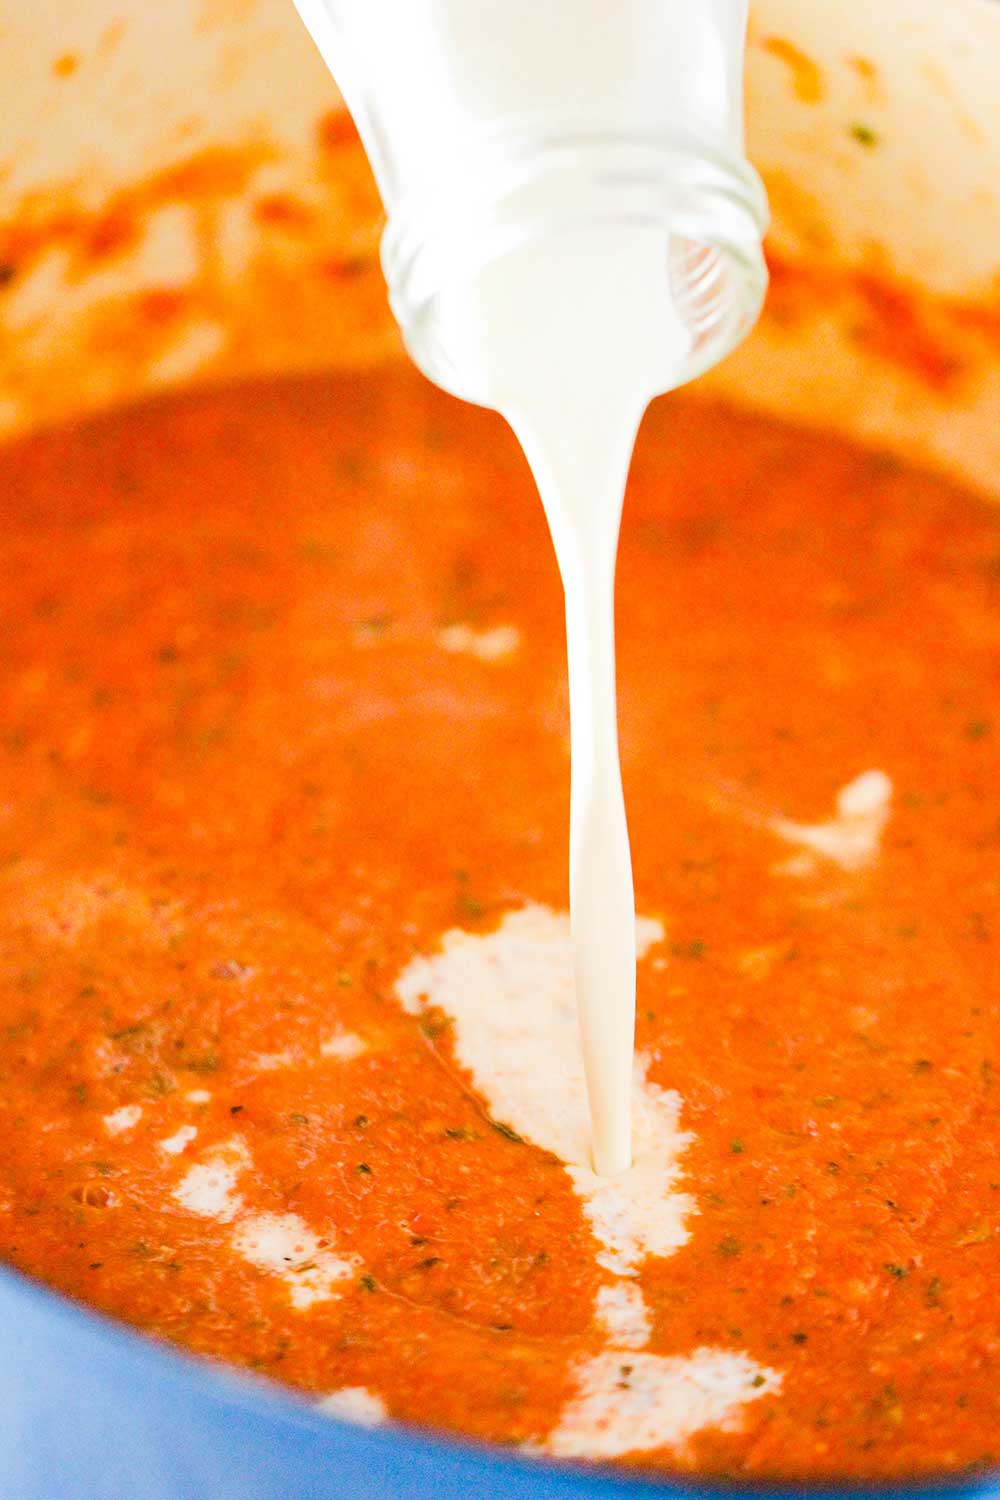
pixel 354 1403
pixel 175 1144
pixel 853 836
pixel 126 1118
pixel 622 1312
pixel 343 1045
pixel 636 1403
pixel 281 1244
pixel 285 1245
pixel 208 1187
pixel 510 996
pixel 488 645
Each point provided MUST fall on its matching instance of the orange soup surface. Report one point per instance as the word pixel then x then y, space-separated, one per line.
pixel 284 786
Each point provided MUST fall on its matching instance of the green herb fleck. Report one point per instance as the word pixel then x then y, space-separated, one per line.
pixel 894 1270
pixel 315 549
pixel 132 1038
pixel 374 628
pixel 207 1063
pixel 507 1132
pixel 363 1169
pixel 369 1283
pixel 351 465
pixel 160 1085
pixel 864 135
pixel 694 949
pixel 434 1026
pixel 730 1246
pixel 737 1148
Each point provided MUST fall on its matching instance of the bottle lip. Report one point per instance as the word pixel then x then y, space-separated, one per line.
pixel 504 190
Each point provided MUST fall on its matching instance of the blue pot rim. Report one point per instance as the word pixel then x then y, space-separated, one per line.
pixel 142 1358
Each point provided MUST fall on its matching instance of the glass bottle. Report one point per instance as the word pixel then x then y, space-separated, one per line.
pixel 491 124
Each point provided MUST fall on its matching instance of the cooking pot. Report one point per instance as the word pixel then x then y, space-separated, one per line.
pixel 183 200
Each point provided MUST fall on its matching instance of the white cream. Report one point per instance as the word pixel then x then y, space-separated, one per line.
pixel 641 1211
pixel 355 1403
pixel 852 838
pixel 273 1062
pixel 622 1313
pixel 575 336
pixel 488 645
pixel 284 1245
pixel 636 1403
pixel 175 1144
pixel 509 994
pixel 539 263
pixel 281 1244
pixel 126 1118
pixel 343 1045
pixel 567 298
pixel 208 1187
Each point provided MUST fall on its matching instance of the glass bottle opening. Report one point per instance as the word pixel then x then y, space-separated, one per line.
pixel 500 193
pixel 718 296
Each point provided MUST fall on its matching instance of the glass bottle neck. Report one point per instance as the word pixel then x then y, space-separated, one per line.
pixel 491 127
pixel 702 200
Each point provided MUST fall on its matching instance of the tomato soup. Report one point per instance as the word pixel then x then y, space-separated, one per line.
pixel 287 1059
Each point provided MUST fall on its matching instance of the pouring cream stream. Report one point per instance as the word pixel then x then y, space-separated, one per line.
pixel 575 332
pixel 548 171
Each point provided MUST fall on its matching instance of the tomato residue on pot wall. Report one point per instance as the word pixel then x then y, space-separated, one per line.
pixel 234 259
pixel 240 258
pixel 284 784
pixel 938 341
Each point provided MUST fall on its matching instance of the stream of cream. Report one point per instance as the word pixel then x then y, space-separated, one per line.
pixel 567 329
pixel 572 336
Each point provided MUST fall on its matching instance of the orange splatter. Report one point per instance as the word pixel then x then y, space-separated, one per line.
pixel 336 129
pixel 924 335
pixel 284 211
pixel 807 79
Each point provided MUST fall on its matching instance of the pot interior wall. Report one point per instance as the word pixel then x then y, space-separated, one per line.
pixel 182 199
